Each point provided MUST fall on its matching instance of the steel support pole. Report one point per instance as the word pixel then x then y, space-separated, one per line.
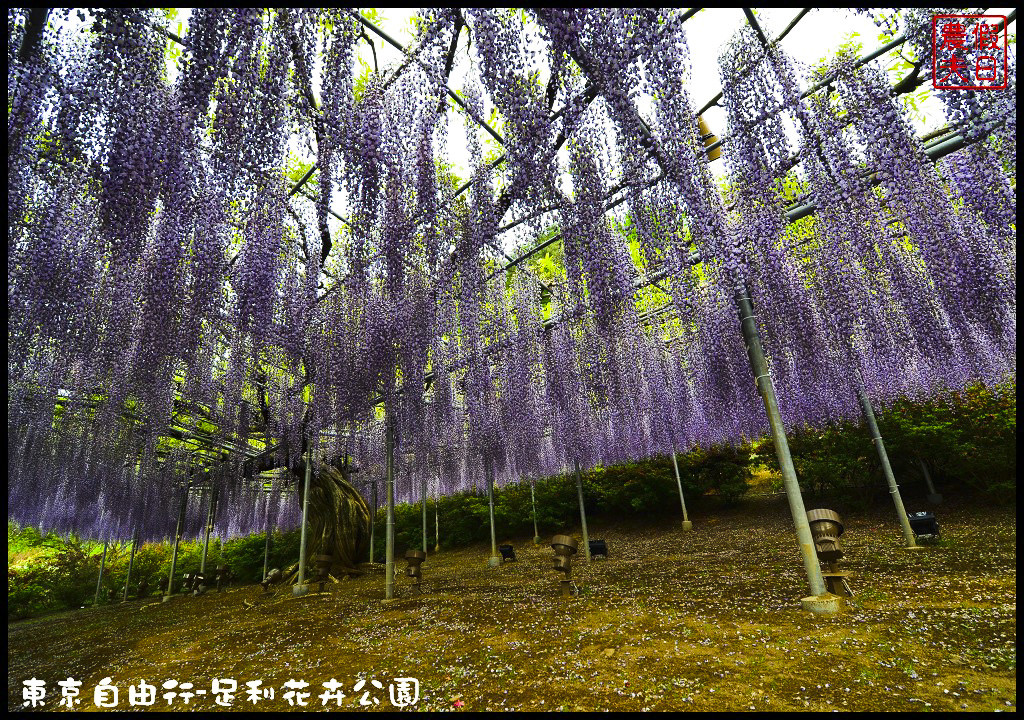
pixel 99 580
pixel 373 517
pixel 583 511
pixel 763 380
pixel 687 525
pixel 266 550
pixel 533 504
pixel 883 456
pixel 423 500
pixel 935 498
pixel 495 560
pixel 301 588
pixel 389 492
pixel 266 544
pixel 131 561
pixel 177 540
pixel 437 525
pixel 206 539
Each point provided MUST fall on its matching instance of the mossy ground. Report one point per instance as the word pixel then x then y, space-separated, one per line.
pixel 703 620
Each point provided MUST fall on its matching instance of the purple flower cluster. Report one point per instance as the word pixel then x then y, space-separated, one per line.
pixel 178 304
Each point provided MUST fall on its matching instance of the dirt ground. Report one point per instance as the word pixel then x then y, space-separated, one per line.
pixel 702 620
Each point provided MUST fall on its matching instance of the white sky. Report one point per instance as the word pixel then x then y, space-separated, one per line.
pixel 815 39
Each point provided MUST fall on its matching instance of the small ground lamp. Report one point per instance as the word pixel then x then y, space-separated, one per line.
pixel 924 525
pixel 565 547
pixel 415 558
pixel 826 527
pixel 323 568
pixel 222 576
pixel 508 553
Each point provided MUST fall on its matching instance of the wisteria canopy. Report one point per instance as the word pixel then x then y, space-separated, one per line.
pixel 191 302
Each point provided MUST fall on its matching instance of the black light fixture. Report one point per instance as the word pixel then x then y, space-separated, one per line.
pixel 598 547
pixel 508 553
pixel 924 525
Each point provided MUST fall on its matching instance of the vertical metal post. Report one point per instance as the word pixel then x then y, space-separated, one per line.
pixel 373 518
pixel 389 492
pixel 533 504
pixel 883 456
pixel 209 529
pixel 495 560
pixel 763 380
pixel 583 511
pixel 935 498
pixel 437 524
pixel 687 525
pixel 131 561
pixel 266 553
pixel 266 545
pixel 177 539
pixel 301 588
pixel 423 500
pixel 99 580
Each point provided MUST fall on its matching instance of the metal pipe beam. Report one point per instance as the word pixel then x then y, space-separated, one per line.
pixel 533 505
pixel 423 502
pixel 890 479
pixel 389 541
pixel 495 559
pixel 301 588
pixel 131 562
pixel 763 380
pixel 687 525
pixel 99 580
pixel 583 511
pixel 177 540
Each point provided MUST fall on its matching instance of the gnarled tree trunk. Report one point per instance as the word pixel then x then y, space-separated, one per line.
pixel 339 519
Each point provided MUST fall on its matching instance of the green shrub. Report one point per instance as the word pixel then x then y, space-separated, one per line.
pixel 644 488
pixel 29 592
pixel 968 440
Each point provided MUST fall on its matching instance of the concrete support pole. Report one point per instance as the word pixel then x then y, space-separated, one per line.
pixel 583 511
pixel 423 500
pixel 687 525
pixel 301 588
pixel 495 559
pixel 99 580
pixel 131 561
pixel 389 537
pixel 177 540
pixel 533 504
pixel 759 365
pixel 890 479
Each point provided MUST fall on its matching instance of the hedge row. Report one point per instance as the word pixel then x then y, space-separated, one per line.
pixel 967 442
